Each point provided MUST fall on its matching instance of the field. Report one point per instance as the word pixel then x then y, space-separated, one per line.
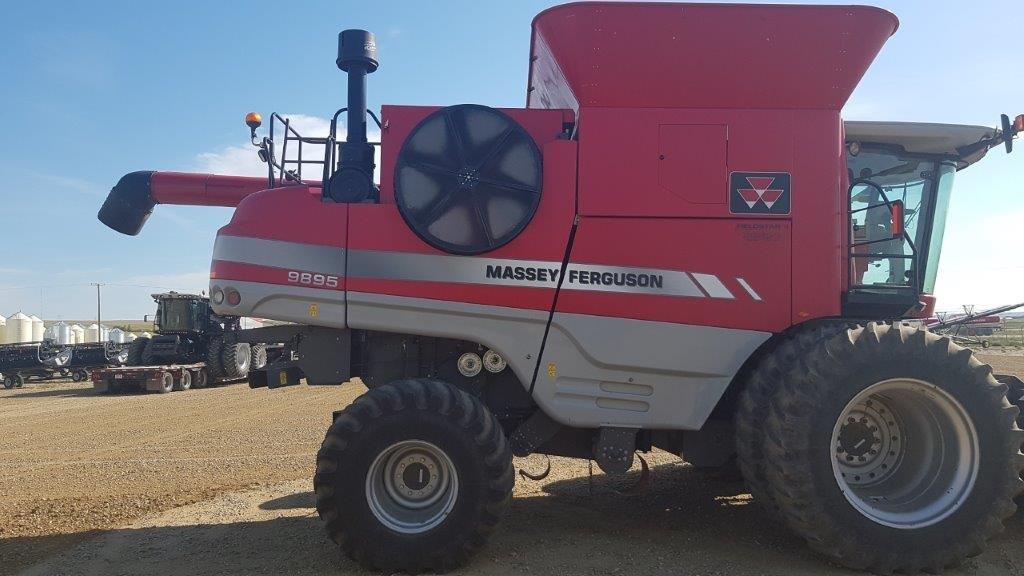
pixel 217 481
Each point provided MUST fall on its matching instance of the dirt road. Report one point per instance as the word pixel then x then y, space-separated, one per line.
pixel 216 481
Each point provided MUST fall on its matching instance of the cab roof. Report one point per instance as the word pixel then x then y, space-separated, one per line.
pixel 922 137
pixel 680 55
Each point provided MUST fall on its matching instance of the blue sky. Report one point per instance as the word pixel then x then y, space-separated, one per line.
pixel 90 91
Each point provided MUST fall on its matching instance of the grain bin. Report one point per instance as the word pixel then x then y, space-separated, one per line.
pixel 131 337
pixel 19 329
pixel 3 330
pixel 117 336
pixel 92 333
pixel 38 328
pixel 78 333
pixel 145 335
pixel 61 333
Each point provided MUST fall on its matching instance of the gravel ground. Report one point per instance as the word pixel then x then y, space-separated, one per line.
pixel 73 462
pixel 216 481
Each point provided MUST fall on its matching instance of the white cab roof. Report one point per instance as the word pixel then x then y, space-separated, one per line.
pixel 921 137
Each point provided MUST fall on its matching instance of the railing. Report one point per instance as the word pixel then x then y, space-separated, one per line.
pixel 287 170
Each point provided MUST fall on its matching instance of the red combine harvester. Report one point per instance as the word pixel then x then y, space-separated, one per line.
pixel 678 243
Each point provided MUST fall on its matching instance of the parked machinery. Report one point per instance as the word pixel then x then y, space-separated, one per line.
pixel 677 244
pixel 92 355
pixel 188 331
pixel 18 362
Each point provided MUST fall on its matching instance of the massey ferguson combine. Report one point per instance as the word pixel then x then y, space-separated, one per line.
pixel 678 243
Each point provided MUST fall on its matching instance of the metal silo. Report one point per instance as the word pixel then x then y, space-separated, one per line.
pixel 38 328
pixel 117 336
pixel 78 333
pixel 19 328
pixel 61 333
pixel 3 330
pixel 92 333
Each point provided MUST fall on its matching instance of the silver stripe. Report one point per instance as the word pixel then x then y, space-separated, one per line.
pixel 712 285
pixel 749 289
pixel 444 268
pixel 280 254
pixel 465 269
pixel 501 272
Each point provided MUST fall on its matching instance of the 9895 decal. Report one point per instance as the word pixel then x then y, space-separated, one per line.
pixel 313 279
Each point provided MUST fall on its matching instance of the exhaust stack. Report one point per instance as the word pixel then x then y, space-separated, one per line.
pixel 353 180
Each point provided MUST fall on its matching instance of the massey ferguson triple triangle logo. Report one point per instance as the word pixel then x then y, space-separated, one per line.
pixel 759 192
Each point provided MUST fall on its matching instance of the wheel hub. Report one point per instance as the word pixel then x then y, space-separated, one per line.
pixel 411 486
pixel 868 444
pixel 905 453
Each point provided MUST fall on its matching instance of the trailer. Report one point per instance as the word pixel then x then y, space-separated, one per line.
pixel 163 379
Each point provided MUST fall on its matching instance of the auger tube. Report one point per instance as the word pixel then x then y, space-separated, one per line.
pixel 132 199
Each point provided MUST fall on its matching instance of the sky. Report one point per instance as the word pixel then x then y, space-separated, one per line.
pixel 91 91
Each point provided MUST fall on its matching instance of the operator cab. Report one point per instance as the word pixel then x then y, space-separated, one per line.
pixel 181 313
pixel 899 178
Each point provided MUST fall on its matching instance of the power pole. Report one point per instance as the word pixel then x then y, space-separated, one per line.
pixel 99 317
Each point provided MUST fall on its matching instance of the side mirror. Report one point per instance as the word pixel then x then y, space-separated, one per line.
pixel 1011 129
pixel 896 209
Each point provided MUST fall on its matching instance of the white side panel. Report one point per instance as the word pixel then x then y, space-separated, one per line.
pixel 313 306
pixel 602 371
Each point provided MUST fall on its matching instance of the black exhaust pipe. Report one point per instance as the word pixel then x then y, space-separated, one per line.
pixel 353 180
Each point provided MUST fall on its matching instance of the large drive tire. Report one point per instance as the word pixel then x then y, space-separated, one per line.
pixel 17 380
pixel 135 350
pixel 362 473
pixel 752 409
pixel 235 358
pixel 893 449
pixel 8 383
pixel 214 348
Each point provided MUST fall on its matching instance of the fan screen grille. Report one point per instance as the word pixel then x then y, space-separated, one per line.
pixel 468 179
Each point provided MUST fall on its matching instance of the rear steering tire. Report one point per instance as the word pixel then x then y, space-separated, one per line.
pixel 413 476
pixel 892 449
pixel 258 357
pixel 235 358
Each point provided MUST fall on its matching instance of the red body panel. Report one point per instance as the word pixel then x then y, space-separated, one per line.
pixel 668 101
pixel 649 55
pixel 293 214
pixel 756 250
pixel 380 227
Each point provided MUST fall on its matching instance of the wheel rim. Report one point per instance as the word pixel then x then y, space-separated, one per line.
pixel 905 453
pixel 412 486
pixel 242 358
